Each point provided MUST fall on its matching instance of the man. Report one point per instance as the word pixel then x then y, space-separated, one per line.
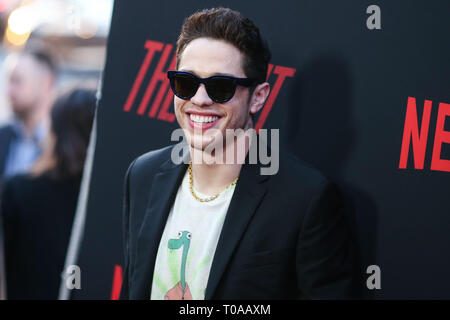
pixel 31 83
pixel 222 230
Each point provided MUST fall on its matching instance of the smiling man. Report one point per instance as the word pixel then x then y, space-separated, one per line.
pixel 214 230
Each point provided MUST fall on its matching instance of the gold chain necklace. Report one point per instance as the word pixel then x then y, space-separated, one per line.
pixel 211 198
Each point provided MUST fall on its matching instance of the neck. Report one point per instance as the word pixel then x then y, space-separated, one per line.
pixel 47 160
pixel 32 119
pixel 210 179
pixel 183 266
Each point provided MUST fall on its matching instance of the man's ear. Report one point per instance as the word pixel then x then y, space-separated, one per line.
pixel 259 97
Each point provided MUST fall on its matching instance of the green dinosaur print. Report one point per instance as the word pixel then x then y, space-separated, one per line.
pixel 184 241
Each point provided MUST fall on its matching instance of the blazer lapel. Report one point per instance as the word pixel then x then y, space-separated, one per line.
pixel 162 195
pixel 249 192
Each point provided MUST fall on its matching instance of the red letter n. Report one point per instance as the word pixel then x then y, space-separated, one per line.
pixel 441 137
pixel 411 129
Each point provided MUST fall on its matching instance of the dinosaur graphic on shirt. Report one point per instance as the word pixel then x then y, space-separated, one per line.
pixel 181 289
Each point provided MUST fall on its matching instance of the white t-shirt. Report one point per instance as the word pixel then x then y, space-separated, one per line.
pixel 188 244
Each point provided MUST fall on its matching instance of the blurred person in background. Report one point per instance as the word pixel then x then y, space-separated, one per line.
pixel 38 208
pixel 30 89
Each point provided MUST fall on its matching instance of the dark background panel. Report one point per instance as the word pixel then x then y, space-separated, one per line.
pixel 343 111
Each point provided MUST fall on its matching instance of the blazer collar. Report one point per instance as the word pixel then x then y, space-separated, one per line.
pixel 162 195
pixel 249 192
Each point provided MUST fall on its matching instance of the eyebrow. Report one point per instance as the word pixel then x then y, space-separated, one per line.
pixel 214 74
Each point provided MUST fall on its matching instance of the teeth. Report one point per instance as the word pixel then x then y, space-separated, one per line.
pixel 202 119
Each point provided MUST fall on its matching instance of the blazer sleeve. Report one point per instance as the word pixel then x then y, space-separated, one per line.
pixel 325 249
pixel 124 293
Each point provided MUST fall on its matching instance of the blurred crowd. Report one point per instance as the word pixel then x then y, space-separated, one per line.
pixel 42 152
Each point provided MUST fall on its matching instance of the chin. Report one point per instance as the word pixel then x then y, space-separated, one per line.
pixel 200 141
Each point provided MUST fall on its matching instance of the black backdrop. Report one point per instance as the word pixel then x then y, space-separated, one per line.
pixel 341 105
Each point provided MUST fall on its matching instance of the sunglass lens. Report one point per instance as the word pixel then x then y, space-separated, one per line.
pixel 220 89
pixel 185 85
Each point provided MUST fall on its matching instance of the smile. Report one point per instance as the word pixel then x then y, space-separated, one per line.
pixel 202 119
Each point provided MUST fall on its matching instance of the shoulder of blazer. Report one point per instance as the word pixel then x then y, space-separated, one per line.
pixel 294 170
pixel 147 165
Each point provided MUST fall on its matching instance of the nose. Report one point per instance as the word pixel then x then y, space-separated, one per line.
pixel 201 97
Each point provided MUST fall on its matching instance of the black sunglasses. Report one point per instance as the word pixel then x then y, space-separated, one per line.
pixel 219 88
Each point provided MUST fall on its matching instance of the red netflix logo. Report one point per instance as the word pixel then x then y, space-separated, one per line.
pixel 162 101
pixel 411 134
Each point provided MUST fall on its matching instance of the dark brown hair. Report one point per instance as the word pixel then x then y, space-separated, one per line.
pixel 230 26
pixel 42 56
pixel 72 116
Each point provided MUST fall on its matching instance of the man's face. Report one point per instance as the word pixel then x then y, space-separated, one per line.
pixel 26 85
pixel 206 57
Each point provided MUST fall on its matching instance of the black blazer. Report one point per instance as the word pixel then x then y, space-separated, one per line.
pixel 284 237
pixel 37 214
pixel 6 137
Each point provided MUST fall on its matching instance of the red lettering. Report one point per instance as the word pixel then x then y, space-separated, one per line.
pixel 269 71
pixel 163 113
pixel 117 283
pixel 282 73
pixel 158 76
pixel 441 137
pixel 152 47
pixel 411 129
